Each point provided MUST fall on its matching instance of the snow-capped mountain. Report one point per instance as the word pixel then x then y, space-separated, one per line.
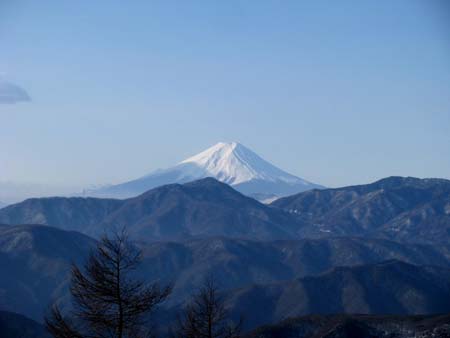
pixel 231 163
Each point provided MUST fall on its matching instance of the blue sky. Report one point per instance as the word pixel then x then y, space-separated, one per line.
pixel 337 92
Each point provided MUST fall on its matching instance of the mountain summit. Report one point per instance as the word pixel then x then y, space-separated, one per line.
pixel 234 164
pixel 228 162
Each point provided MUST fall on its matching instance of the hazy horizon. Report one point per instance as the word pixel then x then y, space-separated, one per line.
pixel 338 94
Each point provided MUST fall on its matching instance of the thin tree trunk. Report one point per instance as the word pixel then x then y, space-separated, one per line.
pixel 119 299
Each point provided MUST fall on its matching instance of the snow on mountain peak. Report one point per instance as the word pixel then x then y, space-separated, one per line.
pixel 229 162
pixel 233 163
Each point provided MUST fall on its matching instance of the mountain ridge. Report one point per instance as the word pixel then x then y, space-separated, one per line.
pixel 402 208
pixel 69 213
pixel 389 287
pixel 405 209
pixel 201 208
pixel 38 260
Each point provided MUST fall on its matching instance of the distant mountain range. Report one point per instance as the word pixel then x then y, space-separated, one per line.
pixel 231 163
pixel 382 247
pixel 198 209
pixel 69 213
pixel 236 263
pixel 392 287
pixel 402 208
pixel 375 248
pixel 406 209
pixel 36 263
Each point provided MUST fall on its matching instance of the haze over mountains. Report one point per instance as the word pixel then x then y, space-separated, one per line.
pixel 14 192
pixel 231 163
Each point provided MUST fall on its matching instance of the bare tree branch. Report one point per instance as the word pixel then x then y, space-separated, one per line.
pixel 107 302
pixel 206 317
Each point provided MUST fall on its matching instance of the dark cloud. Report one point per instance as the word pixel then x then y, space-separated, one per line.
pixel 11 93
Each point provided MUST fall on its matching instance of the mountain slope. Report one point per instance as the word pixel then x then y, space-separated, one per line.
pixel 404 208
pixel 357 326
pixel 236 262
pixel 392 287
pixel 69 213
pixel 231 163
pixel 35 262
pixel 201 208
pixel 14 325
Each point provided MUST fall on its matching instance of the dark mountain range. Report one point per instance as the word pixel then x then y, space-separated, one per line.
pixel 402 208
pixel 14 325
pixel 357 326
pixel 201 208
pixel 73 213
pixel 206 228
pixel 37 260
pixel 391 287
pixel 35 263
pixel 236 263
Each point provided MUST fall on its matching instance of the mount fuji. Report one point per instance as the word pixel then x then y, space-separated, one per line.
pixel 231 163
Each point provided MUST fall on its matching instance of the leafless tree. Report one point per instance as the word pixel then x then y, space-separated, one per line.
pixel 108 302
pixel 206 316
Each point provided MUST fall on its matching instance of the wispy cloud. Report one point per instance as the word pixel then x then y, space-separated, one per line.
pixel 11 93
